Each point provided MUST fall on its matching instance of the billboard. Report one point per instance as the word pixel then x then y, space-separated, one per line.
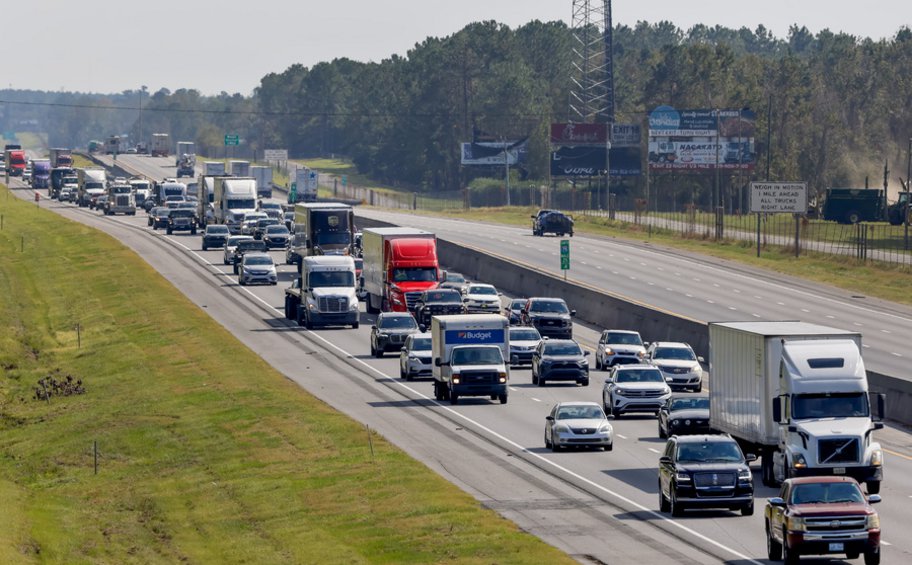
pixel 589 161
pixel 491 153
pixel 622 135
pixel 701 139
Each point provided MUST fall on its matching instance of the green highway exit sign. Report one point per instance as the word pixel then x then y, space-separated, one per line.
pixel 232 140
pixel 565 254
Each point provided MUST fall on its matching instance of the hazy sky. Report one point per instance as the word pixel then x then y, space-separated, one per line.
pixel 112 45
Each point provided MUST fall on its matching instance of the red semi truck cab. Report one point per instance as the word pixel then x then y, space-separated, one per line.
pixel 399 263
pixel 15 162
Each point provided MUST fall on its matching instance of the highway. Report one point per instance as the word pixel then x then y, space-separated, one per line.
pixel 596 506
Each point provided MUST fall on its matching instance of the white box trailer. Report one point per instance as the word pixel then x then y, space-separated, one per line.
pixel 263 176
pixel 214 168
pixel 239 168
pixel 468 356
pixel 778 388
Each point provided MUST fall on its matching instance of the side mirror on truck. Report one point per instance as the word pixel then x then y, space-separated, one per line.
pixel 878 414
pixel 777 410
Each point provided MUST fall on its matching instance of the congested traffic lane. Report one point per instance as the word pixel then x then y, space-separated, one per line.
pixel 697 287
pixel 626 477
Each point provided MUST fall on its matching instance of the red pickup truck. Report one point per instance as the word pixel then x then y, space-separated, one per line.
pixel 822 516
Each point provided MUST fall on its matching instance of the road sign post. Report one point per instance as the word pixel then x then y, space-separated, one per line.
pixel 293 193
pixel 565 256
pixel 779 198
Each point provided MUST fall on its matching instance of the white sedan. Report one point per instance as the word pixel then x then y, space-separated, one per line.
pixel 578 424
pixel 481 299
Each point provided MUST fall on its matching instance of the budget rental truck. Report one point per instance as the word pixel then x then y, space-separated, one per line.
pixel 468 355
pixel 399 263
pixel 797 395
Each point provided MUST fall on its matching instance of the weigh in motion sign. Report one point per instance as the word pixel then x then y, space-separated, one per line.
pixel 565 254
pixel 779 197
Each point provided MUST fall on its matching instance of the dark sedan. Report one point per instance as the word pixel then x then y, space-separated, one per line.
pixel 276 236
pixel 158 217
pixel 215 236
pixel 684 414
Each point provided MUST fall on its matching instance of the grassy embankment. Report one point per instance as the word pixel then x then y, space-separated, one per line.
pixel 206 454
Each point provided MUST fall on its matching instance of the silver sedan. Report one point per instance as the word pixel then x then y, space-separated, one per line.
pixel 578 424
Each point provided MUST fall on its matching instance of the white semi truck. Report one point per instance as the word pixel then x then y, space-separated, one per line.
pixel 232 199
pixel 324 294
pixel 797 395
pixel 120 200
pixel 306 183
pixel 468 356
pixel 92 184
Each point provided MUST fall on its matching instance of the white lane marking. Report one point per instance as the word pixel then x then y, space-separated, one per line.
pixel 758 297
pixel 695 279
pixel 503 240
pixel 599 267
pixel 633 278
pixel 857 324
pixel 710 301
pixel 655 515
pixel 650 283
pixel 535 399
pixel 596 251
pixel 614 272
pixel 781 303
pixel 583 263
pixel 756 315
pixel 642 264
pixel 677 274
pixel 885 331
pixel 736 291
pixel 669 289
pixel 732 308
pixel 689 295
pixel 865 345
pixel 714 284
pixel 528 247
pixel 625 437
pixel 805 310
pixel 897 354
pixel 882 542
pixel 514 243
pixel 654 450
pixel 831 317
pixel 661 269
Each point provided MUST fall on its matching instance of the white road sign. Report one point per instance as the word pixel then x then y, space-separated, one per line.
pixel 275 154
pixel 779 197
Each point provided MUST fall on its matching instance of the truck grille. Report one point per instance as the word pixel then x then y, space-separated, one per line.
pixel 835 524
pixel 642 393
pixel 333 304
pixel 410 299
pixel 122 201
pixel 723 479
pixel 837 450
pixel 477 377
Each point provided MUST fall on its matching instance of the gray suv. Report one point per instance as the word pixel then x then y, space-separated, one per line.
pixel 634 388
pixel 559 360
pixel 390 331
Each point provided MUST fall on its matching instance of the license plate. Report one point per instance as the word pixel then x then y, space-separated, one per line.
pixel 839 471
pixel 837 547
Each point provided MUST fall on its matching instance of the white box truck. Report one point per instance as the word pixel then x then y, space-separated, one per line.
pixel 92 184
pixel 306 183
pixel 184 148
pixel 161 145
pixel 324 294
pixel 214 168
pixel 233 199
pixel 263 176
pixel 797 395
pixel 468 356
pixel 239 168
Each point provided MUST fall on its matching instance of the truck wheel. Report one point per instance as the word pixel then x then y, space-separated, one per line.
pixel 205 247
pixel 308 325
pixel 766 469
pixel 788 555
pixel 454 398
pixel 773 547
pixel 872 557
pixel 541 380
pixel 169 231
pixel 502 398
pixel 356 325
pixel 674 506
pixel 584 382
pixel 663 502
pixel 873 487
pixel 662 433
pixel 299 314
pixel 853 217
pixel 193 231
pixel 748 510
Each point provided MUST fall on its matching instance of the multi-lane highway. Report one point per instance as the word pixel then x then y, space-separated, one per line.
pixel 598 506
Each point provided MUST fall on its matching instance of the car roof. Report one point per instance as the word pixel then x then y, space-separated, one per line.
pixel 394 315
pixel 560 341
pixel 257 254
pixel 632 332
pixel 821 479
pixel 706 438
pixel 690 395
pixel 672 344
pixel 632 366
pixel 577 403
pixel 546 299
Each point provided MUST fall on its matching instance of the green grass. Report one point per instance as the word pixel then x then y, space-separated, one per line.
pixel 877 280
pixel 81 162
pixel 207 454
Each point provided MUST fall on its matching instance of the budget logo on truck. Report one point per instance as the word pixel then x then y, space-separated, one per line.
pixel 475 336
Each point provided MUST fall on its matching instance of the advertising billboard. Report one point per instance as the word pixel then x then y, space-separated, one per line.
pixel 570 134
pixel 701 139
pixel 589 161
pixel 491 153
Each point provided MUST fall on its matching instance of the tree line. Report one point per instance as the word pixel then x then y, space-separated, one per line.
pixel 840 106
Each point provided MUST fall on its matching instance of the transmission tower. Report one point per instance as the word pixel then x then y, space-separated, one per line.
pixel 592 80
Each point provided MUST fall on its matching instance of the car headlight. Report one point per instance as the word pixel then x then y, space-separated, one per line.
pixel 456 378
pixel 609 351
pixel 872 522
pixel 502 377
pixel 641 354
pixel 745 475
pixel 584 363
pixel 605 428
pixel 383 336
pixel 562 429
pixel 682 477
pixel 353 306
pixel 795 524
pixel 877 458
pixel 799 462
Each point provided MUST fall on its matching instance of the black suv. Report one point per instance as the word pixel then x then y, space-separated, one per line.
pixel 390 331
pixel 243 247
pixel 552 221
pixel 550 316
pixel 438 302
pixel 182 219
pixel 705 471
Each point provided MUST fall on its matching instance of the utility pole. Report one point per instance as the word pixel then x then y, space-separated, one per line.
pixel 141 91
pixel 506 169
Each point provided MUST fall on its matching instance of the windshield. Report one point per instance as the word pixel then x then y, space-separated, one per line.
pixel 524 335
pixel 267 222
pixel 252 244
pixel 455 277
pixel 640 376
pixel 819 493
pixel 551 306
pixel 257 260
pixel 181 213
pixel 94 185
pixel 711 451
pixel 517 305
pixel 174 190
pixel 829 405
pixel 580 413
pixel 421 344
pixel 333 238
pixel 241 203
pixel 232 241
pixel 674 354
pixel 217 229
pixel 486 290
pixel 121 189
pixel 477 356
pixel 415 274
pixel 331 278
pixel 689 404
pixel 441 297
pixel 562 349
pixel 397 322
pixel 276 230
pixel 619 338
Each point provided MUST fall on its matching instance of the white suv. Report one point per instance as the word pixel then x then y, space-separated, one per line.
pixel 678 363
pixel 415 357
pixel 634 388
pixel 619 347
pixel 257 268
